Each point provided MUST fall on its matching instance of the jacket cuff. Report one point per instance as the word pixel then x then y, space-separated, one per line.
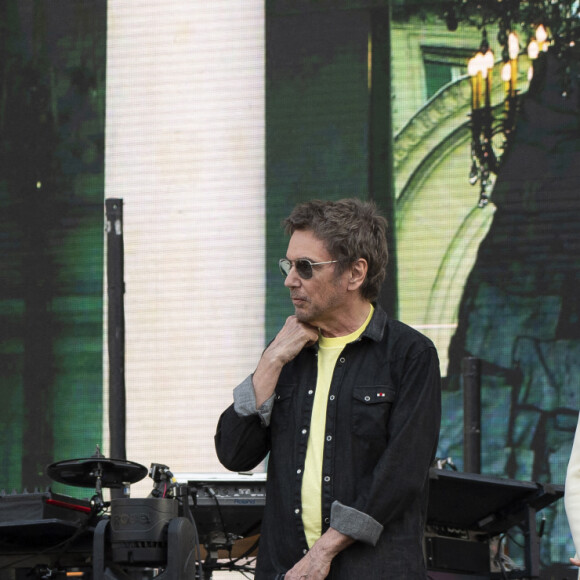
pixel 357 525
pixel 245 402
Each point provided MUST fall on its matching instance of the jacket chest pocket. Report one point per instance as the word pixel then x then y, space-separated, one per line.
pixel 371 408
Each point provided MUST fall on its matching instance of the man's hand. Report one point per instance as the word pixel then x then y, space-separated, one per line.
pixel 309 567
pixel 291 339
pixel 575 561
pixel 316 564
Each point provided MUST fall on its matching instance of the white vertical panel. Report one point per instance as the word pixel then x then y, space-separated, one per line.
pixel 185 152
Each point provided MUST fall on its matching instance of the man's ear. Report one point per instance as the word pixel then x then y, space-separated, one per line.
pixel 358 273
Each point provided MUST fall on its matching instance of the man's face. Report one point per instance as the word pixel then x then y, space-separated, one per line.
pixel 318 300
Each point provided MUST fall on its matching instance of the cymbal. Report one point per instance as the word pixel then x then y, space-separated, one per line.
pixel 84 472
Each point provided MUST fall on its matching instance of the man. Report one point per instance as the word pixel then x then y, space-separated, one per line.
pixel 347 403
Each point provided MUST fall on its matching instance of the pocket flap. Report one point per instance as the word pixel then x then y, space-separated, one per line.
pixel 374 394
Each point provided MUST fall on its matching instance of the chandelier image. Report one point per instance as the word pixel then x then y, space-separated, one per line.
pixel 526 30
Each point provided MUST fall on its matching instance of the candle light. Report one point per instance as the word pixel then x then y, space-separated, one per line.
pixel 513 46
pixel 513 51
pixel 506 77
pixel 542 37
pixel 480 72
pixel 487 67
pixel 472 71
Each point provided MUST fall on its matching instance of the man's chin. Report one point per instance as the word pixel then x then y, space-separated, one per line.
pixel 302 315
pixel 306 318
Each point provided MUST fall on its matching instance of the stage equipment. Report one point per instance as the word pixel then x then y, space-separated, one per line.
pixel 97 472
pixel 149 531
pixel 227 509
pixel 225 506
pixel 45 534
pixel 154 532
pixel 88 472
pixel 144 534
pixel 468 513
pixel 32 517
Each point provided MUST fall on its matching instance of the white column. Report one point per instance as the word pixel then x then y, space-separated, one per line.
pixel 185 152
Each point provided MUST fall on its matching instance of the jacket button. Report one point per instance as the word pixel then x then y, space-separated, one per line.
pixel 329 437
pixel 327 478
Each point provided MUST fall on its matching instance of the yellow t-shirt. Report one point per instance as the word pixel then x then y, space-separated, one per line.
pixel 329 350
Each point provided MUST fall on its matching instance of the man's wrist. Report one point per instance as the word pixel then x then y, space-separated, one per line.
pixel 331 543
pixel 265 378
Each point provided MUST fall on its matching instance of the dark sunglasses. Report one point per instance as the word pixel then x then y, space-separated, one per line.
pixel 302 265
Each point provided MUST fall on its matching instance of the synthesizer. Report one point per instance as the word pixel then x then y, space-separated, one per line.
pixel 227 505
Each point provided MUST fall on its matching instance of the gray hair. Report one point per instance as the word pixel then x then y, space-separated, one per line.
pixel 350 229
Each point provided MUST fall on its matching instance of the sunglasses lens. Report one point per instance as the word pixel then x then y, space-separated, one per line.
pixel 285 266
pixel 304 269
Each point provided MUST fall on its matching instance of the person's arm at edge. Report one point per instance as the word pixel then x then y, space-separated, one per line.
pixel 572 495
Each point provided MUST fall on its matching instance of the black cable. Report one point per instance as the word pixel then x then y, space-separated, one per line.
pixel 213 495
pixel 247 553
pixel 232 565
pixel 197 547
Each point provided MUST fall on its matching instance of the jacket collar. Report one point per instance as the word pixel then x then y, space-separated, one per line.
pixel 376 327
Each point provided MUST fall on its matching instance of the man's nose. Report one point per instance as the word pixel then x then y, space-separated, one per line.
pixel 292 280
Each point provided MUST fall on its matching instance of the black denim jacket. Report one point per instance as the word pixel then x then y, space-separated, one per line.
pixel 382 427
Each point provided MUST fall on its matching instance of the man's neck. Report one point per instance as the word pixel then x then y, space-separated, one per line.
pixel 349 321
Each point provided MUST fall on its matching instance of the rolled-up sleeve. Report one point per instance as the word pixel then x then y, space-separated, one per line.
pixel 245 402
pixel 242 437
pixel 357 525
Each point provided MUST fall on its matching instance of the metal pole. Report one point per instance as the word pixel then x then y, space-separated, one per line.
pixel 116 330
pixel 471 371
